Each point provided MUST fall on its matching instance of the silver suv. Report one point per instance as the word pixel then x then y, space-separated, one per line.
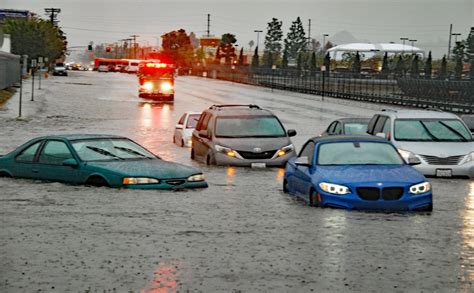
pixel 241 135
pixel 439 140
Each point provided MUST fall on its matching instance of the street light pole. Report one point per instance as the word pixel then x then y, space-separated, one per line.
pixel 324 40
pixel 456 37
pixel 403 39
pixel 258 34
pixel 412 44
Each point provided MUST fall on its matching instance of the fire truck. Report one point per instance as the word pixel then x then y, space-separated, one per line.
pixel 156 80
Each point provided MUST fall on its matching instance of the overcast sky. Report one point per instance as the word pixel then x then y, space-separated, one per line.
pixel 107 21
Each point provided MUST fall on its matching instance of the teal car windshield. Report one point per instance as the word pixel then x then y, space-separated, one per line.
pixel 110 149
pixel 358 153
pixel 431 130
pixel 249 126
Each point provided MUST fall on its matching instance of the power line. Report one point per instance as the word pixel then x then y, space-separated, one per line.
pixel 53 13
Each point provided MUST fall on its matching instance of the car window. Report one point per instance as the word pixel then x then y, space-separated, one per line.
pixel 201 119
pixel 192 120
pixel 181 120
pixel 358 153
pixel 28 155
pixel 331 128
pixel 386 127
pixel 110 149
pixel 338 128
pixel 205 122
pixel 249 126
pixel 308 151
pixel 54 153
pixel 379 125
pixel 370 128
pixel 431 130
pixel 355 128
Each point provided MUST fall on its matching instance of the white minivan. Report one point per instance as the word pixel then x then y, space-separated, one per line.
pixel 183 131
pixel 132 66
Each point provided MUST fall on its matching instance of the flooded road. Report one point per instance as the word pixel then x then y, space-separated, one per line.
pixel 242 234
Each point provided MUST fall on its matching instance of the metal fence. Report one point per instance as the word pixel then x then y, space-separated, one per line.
pixel 455 96
pixel 9 69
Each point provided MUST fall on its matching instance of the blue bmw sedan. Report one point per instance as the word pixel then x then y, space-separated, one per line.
pixel 356 172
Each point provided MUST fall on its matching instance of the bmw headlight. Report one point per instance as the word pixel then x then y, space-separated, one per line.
pixel 420 188
pixel 405 154
pixel 225 150
pixel 196 178
pixel 139 180
pixel 334 188
pixel 284 150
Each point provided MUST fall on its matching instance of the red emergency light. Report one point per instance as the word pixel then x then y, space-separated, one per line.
pixel 156 65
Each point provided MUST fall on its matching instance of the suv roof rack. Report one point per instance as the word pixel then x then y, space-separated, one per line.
pixel 433 109
pixel 234 105
pixel 389 110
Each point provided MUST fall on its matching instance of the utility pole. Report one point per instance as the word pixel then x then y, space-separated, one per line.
pixel 323 44
pixel 258 34
pixel 309 33
pixel 404 39
pixel 450 34
pixel 412 44
pixel 53 13
pixel 134 37
pixel 208 25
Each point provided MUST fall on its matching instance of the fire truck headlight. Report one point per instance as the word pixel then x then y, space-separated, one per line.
pixel 148 86
pixel 166 86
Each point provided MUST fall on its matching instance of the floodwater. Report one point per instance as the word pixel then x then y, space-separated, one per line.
pixel 242 234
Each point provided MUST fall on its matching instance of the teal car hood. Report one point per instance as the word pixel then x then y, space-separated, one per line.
pixel 145 168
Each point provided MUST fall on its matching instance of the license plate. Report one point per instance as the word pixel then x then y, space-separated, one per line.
pixel 258 165
pixel 444 173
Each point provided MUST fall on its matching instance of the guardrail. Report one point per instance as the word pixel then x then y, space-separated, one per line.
pixel 454 96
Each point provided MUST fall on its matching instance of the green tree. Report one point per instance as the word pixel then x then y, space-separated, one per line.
pixel 428 66
pixel 274 37
pixel 284 62
pixel 177 46
pixel 414 69
pixel 295 40
pixel 268 59
pixel 327 62
pixel 400 66
pixel 299 61
pixel 470 51
pixel 312 61
pixel 227 47
pixel 356 65
pixel 241 56
pixel 36 38
pixel 385 67
pixel 443 72
pixel 255 57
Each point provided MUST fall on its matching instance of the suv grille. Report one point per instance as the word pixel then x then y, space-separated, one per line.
pixel 257 156
pixel 432 160
pixel 373 193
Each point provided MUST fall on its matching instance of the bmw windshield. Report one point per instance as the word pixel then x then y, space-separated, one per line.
pixel 358 153
pixel 110 149
pixel 447 130
pixel 249 126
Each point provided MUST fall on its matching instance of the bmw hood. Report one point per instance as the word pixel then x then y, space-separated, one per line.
pixel 254 144
pixel 146 168
pixel 369 173
pixel 438 149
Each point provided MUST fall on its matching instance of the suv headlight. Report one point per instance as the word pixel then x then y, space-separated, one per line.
pixel 469 158
pixel 406 154
pixel 420 188
pixel 139 180
pixel 225 150
pixel 334 188
pixel 284 150
pixel 196 178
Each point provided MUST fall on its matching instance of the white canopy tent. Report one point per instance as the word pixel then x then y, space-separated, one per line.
pixel 376 49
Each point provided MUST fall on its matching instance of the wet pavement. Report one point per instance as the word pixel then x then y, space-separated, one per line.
pixel 242 234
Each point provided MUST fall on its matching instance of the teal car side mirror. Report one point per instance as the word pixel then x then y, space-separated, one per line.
pixel 71 163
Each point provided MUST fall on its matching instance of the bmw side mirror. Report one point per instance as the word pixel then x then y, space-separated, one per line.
pixel 179 126
pixel 302 161
pixel 71 163
pixel 291 132
pixel 412 161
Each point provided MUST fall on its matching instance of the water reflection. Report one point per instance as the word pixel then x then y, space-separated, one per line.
pixel 229 178
pixel 165 278
pixel 467 234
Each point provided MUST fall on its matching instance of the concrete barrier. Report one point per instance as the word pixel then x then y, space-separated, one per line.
pixel 9 69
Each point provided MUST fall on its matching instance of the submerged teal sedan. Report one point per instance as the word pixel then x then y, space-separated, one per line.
pixel 97 160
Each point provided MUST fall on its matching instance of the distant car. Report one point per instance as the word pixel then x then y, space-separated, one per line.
pixel 348 126
pixel 241 135
pixel 98 160
pixel 103 68
pixel 356 172
pixel 469 120
pixel 183 131
pixel 59 69
pixel 439 139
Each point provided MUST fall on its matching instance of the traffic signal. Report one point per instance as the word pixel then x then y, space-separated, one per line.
pixel 107 49
pixel 89 47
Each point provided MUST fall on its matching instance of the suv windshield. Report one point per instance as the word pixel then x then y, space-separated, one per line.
pixel 358 153
pixel 110 149
pixel 249 126
pixel 430 130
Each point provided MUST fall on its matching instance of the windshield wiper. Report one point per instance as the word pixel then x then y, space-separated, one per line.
pixel 104 152
pixel 453 131
pixel 428 131
pixel 130 151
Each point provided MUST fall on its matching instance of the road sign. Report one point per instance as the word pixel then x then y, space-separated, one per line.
pixel 33 62
pixel 323 68
pixel 40 59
